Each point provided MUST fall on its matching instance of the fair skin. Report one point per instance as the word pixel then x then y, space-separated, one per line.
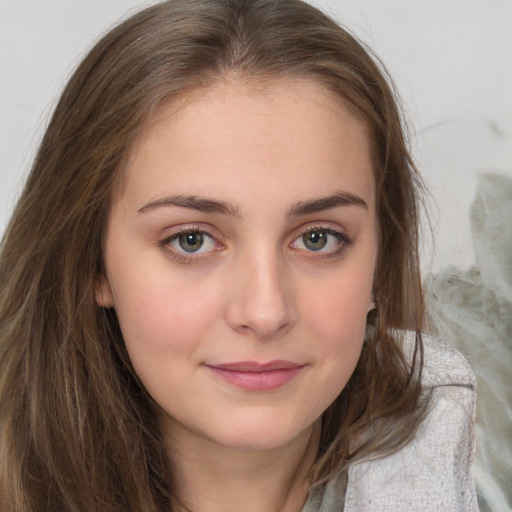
pixel 240 256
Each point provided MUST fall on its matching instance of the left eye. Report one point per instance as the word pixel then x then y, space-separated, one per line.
pixel 192 242
pixel 320 240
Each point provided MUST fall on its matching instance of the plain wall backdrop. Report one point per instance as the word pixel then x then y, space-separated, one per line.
pixel 450 59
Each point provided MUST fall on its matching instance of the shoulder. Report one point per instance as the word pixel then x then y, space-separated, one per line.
pixel 443 365
pixel 433 471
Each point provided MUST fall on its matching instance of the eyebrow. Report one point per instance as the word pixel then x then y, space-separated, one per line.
pixel 206 205
pixel 200 204
pixel 325 203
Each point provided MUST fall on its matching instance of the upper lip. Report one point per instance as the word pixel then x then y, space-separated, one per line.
pixel 255 367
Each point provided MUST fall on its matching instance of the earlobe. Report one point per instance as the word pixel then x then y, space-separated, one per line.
pixel 103 293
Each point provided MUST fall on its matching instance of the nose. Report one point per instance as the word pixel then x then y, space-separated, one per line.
pixel 261 301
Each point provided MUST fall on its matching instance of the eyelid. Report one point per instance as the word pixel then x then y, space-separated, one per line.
pixel 183 256
pixel 344 240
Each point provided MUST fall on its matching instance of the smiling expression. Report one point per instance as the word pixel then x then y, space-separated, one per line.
pixel 240 255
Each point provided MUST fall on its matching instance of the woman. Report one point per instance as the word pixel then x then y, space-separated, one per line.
pixel 206 282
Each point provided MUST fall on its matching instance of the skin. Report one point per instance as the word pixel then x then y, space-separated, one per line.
pixel 245 167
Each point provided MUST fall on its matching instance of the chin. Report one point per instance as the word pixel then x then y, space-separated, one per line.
pixel 253 437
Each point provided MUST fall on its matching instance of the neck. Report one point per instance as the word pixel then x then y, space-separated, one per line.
pixel 214 478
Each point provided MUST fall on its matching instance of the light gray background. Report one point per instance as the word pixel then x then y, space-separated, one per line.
pixel 451 61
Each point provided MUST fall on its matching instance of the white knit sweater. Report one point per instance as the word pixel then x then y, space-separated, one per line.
pixel 433 472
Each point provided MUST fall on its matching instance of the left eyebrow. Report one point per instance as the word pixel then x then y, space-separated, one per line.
pixel 325 203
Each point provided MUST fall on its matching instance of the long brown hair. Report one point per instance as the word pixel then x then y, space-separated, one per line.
pixel 77 429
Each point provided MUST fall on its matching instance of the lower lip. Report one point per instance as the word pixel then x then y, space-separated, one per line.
pixel 258 381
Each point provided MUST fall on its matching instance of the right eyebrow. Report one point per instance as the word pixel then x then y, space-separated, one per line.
pixel 200 204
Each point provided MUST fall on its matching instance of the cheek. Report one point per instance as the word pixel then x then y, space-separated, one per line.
pixel 337 314
pixel 341 303
pixel 163 317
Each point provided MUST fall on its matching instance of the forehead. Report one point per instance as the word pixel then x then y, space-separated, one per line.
pixel 252 130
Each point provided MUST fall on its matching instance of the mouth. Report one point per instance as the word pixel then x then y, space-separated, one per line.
pixel 257 376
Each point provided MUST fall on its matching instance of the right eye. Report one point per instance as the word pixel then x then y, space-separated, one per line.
pixel 189 242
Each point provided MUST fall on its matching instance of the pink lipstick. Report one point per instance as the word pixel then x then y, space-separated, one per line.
pixel 257 376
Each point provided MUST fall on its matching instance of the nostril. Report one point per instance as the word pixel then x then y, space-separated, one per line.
pixel 261 301
pixel 266 329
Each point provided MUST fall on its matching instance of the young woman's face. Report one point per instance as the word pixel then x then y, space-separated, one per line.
pixel 240 256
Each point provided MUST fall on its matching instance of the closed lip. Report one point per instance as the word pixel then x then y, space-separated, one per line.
pixel 256 376
pixel 256 367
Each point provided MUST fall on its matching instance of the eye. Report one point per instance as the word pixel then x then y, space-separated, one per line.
pixel 321 240
pixel 190 242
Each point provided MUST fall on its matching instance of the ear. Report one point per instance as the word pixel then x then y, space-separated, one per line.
pixel 103 293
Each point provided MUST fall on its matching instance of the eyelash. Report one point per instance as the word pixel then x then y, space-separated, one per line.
pixel 342 240
pixel 182 257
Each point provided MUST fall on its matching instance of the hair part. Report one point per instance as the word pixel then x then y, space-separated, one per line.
pixel 64 369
